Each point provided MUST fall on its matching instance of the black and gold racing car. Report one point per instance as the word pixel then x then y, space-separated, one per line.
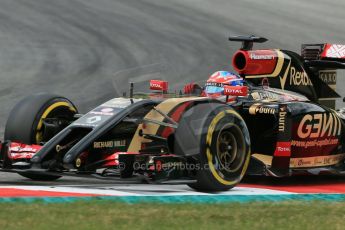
pixel 281 122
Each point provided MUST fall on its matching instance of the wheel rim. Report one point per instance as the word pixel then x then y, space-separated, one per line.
pixel 230 146
pixel 55 110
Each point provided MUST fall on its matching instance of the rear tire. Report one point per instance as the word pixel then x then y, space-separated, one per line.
pixel 25 122
pixel 217 136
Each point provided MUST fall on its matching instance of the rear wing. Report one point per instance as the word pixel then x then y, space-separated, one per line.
pixel 326 51
pixel 324 60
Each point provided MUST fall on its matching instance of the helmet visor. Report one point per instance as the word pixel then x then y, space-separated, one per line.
pixel 213 89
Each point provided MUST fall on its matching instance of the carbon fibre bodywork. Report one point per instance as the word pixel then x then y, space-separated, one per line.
pixel 279 123
pixel 286 136
pixel 294 137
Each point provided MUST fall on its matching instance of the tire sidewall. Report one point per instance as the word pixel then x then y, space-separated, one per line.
pixel 208 174
pixel 24 118
pixel 45 107
pixel 211 168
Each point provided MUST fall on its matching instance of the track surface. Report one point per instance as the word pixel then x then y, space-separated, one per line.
pixel 76 47
pixel 251 186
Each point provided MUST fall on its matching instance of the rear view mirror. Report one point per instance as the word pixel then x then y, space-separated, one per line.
pixel 159 85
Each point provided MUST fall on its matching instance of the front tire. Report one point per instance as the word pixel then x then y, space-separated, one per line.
pixel 219 139
pixel 25 123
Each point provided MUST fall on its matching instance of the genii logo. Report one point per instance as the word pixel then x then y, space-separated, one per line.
pixel 319 125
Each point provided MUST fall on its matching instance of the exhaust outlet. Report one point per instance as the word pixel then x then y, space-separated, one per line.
pixel 255 62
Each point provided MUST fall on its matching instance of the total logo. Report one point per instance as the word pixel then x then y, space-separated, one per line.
pixel 156 85
pixel 235 90
pixel 319 125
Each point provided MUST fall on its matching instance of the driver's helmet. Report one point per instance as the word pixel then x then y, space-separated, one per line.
pixel 214 85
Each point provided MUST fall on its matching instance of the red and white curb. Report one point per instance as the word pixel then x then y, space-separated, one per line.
pixel 164 190
pixel 135 190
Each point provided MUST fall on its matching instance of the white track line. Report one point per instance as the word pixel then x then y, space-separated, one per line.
pixel 147 191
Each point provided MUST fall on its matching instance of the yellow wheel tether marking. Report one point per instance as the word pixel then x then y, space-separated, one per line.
pixel 209 155
pixel 45 114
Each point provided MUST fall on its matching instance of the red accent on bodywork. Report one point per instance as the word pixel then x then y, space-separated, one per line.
pixel 333 51
pixel 112 160
pixel 255 62
pixel 235 90
pixel 283 149
pixel 158 166
pixel 22 151
pixel 159 85
pixel 188 88
pixel 176 116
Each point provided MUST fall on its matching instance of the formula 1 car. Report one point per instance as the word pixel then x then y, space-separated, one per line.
pixel 281 123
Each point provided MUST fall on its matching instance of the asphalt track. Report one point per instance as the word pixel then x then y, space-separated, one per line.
pixel 81 48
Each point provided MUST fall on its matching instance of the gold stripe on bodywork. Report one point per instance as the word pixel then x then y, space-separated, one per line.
pixel 307 162
pixel 333 86
pixel 265 159
pixel 304 162
pixel 165 107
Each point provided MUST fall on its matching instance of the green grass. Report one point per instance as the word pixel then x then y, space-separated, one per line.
pixel 114 215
